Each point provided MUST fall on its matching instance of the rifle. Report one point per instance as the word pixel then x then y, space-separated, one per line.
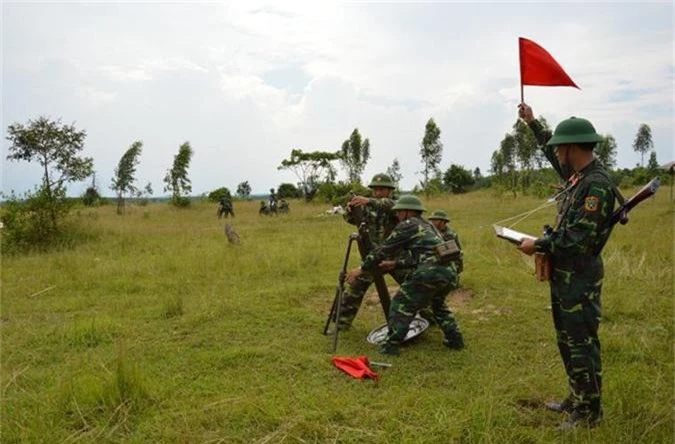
pixel 621 214
pixel 339 291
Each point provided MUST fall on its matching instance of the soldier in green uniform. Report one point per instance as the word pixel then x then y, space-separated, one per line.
pixel 412 246
pixel 376 212
pixel 440 220
pixel 225 206
pixel 574 247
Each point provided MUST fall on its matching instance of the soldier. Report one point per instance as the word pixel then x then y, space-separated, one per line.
pixel 412 246
pixel 574 247
pixel 273 201
pixel 440 220
pixel 225 207
pixel 376 212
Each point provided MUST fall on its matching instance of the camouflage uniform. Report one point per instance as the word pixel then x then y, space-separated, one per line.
pixel 427 283
pixel 380 221
pixel 225 207
pixel 574 246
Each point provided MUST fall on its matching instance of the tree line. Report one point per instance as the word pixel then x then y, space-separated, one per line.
pixel 35 219
pixel 518 165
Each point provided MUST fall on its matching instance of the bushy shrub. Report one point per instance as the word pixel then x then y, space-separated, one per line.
pixel 216 195
pixel 91 197
pixel 29 221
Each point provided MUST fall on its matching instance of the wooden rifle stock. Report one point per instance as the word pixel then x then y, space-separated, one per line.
pixel 621 214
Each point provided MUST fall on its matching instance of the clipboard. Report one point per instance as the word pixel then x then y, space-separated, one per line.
pixel 513 236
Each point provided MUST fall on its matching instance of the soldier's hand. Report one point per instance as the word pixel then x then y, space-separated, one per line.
pixel 525 112
pixel 385 266
pixel 352 275
pixel 358 201
pixel 527 246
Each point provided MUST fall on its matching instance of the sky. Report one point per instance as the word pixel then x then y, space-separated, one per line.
pixel 246 82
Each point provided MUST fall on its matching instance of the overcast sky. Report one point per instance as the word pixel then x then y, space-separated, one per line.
pixel 245 83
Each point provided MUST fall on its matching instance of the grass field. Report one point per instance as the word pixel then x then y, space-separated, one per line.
pixel 158 330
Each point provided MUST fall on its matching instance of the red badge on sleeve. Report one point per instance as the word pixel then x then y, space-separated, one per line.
pixel 591 204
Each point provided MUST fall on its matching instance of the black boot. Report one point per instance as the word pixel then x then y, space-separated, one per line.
pixel 454 340
pixel 566 406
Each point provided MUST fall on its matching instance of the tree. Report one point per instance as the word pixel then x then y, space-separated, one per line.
pixel 431 150
pixel 310 168
pixel 244 190
pixel 122 182
pixel 497 163
pixel 508 150
pixel 354 155
pixel 288 190
pixel 217 194
pixel 55 147
pixel 605 151
pixel 394 171
pixel 458 178
pixel 91 196
pixel 643 142
pixel 176 178
pixel 652 164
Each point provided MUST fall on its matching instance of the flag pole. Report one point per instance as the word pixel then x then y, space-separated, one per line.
pixel 520 63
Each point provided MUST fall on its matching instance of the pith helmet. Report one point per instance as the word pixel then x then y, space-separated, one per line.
pixel 381 180
pixel 409 202
pixel 440 215
pixel 574 130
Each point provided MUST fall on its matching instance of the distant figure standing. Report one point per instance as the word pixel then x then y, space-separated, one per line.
pixel 225 207
pixel 273 201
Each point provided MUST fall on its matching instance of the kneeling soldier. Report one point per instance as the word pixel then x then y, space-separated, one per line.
pixel 413 243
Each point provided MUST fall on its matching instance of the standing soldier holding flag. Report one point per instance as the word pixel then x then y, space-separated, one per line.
pixel 573 248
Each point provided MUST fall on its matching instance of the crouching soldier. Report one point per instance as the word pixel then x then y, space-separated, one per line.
pixel 413 245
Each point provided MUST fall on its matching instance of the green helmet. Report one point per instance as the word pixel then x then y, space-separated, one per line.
pixel 574 130
pixel 440 215
pixel 381 180
pixel 409 202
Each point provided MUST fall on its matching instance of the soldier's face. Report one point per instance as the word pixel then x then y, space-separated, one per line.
pixel 380 192
pixel 401 215
pixel 438 223
pixel 561 152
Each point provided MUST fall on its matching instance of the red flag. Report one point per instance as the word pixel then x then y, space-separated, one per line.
pixel 358 367
pixel 537 67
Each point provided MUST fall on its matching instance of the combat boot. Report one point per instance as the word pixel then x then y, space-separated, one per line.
pixel 390 349
pixel 566 406
pixel 454 340
pixel 581 419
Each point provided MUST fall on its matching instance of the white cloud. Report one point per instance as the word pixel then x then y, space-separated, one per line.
pixel 239 78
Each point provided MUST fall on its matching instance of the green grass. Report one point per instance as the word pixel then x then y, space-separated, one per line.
pixel 159 330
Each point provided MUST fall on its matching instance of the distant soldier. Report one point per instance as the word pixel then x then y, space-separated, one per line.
pixel 440 220
pixel 412 247
pixel 273 201
pixel 376 212
pixel 225 207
